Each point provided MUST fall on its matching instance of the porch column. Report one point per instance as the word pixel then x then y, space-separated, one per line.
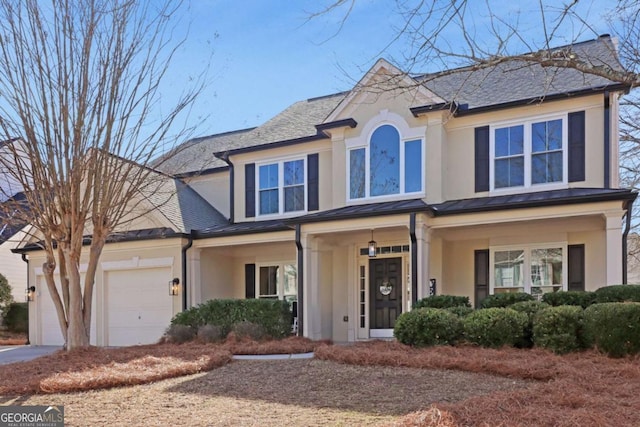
pixel 194 280
pixel 312 327
pixel 614 248
pixel 423 237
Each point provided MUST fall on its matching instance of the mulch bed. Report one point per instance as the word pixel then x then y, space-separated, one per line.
pixel 578 389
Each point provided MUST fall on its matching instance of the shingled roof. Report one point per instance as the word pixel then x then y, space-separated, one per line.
pixel 520 80
pixel 469 89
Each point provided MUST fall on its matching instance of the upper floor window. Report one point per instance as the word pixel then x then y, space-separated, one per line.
pixel 386 166
pixel 530 153
pixel 281 187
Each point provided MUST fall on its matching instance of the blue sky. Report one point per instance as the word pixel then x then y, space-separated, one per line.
pixel 266 54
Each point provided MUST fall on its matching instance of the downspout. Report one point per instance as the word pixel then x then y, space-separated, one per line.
pixel 25 259
pixel 185 248
pixel 607 140
pixel 300 282
pixel 414 258
pixel 225 158
pixel 625 246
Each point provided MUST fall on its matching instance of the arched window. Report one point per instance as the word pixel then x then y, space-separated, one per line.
pixel 384 161
pixel 387 165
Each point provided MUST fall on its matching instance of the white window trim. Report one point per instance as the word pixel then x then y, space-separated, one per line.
pixel 280 265
pixel 528 248
pixel 385 117
pixel 280 162
pixel 528 154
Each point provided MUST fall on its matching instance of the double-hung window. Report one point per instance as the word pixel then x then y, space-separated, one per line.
pixel 529 154
pixel 277 281
pixel 533 269
pixel 281 187
pixel 387 165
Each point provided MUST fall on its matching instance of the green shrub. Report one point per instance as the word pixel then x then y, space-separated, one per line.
pixel 443 301
pixel 428 326
pixel 460 311
pixel 505 299
pixel 530 308
pixel 179 334
pixel 249 330
pixel 273 315
pixel 581 298
pixel 614 328
pixel 560 329
pixel 210 333
pixel 495 327
pixel 618 293
pixel 16 318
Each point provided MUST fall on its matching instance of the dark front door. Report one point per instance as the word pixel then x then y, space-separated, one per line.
pixel 385 278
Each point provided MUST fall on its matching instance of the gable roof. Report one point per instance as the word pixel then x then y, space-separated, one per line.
pixel 10 222
pixel 296 122
pixel 464 90
pixel 519 80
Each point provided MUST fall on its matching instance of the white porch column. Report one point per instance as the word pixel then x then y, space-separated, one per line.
pixel 423 239
pixel 312 326
pixel 614 248
pixel 193 276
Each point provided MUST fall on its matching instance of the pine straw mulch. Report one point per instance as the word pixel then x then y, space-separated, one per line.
pixel 579 389
pixel 97 368
pixel 12 338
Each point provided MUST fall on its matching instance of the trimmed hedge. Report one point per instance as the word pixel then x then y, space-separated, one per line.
pixel 560 329
pixel 614 328
pixel 16 318
pixel 495 327
pixel 530 308
pixel 505 299
pixel 443 301
pixel 427 327
pixel 618 293
pixel 272 315
pixel 460 311
pixel 582 298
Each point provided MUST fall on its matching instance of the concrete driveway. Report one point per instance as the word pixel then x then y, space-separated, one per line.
pixel 21 353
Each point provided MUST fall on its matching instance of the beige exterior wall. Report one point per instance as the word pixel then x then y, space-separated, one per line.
pixel 115 257
pixel 322 147
pixel 13 268
pixel 214 188
pixel 459 183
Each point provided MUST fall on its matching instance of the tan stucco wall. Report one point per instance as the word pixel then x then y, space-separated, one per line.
pixel 13 268
pixel 594 257
pixel 460 168
pixel 458 267
pixel 214 188
pixel 322 147
pixel 219 276
pixel 129 255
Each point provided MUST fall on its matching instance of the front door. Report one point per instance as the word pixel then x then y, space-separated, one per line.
pixel 385 278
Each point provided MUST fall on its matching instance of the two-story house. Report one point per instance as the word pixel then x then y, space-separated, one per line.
pixel 354 205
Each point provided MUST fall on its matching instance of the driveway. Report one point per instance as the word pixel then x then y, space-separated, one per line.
pixel 21 353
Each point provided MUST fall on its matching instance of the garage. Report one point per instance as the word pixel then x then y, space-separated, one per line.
pixel 50 333
pixel 138 306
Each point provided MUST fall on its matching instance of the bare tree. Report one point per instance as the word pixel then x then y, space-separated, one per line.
pixel 79 86
pixel 445 37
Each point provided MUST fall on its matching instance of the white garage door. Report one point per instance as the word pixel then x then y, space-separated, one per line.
pixel 138 305
pixel 48 319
